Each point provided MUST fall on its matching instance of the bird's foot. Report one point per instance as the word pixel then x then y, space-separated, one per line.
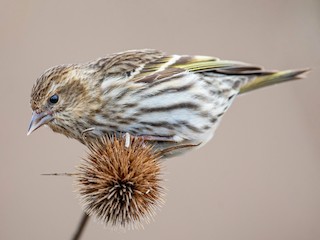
pixel 84 133
pixel 150 138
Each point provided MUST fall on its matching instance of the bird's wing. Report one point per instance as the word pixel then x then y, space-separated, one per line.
pixel 149 65
pixel 126 62
pixel 175 65
pixel 211 64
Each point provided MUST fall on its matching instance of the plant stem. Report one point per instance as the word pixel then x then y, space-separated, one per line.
pixel 81 226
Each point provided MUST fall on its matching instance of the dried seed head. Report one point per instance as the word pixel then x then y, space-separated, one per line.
pixel 120 185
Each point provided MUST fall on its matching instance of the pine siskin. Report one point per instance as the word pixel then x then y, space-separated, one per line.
pixel 167 100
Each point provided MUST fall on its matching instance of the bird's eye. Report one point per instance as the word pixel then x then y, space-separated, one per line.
pixel 54 99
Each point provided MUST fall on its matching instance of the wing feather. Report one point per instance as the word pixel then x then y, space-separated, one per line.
pixel 154 71
pixel 152 65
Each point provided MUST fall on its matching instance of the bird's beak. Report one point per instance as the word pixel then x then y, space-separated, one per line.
pixel 37 120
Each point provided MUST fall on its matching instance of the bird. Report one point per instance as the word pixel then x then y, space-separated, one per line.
pixel 167 100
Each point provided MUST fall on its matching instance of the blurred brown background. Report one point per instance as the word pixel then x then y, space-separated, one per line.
pixel 258 179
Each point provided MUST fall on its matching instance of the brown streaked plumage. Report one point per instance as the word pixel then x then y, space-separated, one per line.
pixel 165 99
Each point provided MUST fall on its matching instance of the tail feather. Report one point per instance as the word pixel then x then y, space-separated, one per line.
pixel 272 78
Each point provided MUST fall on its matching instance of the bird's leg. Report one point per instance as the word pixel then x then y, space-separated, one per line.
pixel 127 137
pixel 84 132
pixel 149 138
pixel 176 140
pixel 152 138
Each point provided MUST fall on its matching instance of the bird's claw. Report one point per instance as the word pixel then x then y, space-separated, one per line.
pixel 84 132
pixel 127 137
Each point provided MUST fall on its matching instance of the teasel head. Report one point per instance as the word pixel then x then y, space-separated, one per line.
pixel 120 182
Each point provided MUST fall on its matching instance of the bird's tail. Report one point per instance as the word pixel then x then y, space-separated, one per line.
pixel 268 79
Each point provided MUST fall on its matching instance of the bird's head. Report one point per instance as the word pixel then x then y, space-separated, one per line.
pixel 59 99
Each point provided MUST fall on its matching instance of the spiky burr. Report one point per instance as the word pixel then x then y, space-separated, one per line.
pixel 120 185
